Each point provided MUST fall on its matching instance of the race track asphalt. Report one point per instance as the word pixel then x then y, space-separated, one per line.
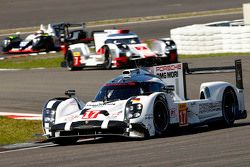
pixel 26 13
pixel 27 90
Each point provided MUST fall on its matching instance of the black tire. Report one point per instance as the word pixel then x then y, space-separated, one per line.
pixel 107 58
pixel 69 60
pixel 160 116
pixel 230 107
pixel 66 141
pixel 50 46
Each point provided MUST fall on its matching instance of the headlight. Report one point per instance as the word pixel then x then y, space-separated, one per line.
pixel 6 42
pixel 133 110
pixel 128 54
pixel 49 116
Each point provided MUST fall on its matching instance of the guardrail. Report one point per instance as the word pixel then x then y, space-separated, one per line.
pixel 218 37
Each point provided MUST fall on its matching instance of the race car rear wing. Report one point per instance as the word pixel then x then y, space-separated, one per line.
pixel 237 68
pixel 175 74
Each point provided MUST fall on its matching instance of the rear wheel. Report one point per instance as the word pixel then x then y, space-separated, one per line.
pixel 107 59
pixel 161 116
pixel 229 109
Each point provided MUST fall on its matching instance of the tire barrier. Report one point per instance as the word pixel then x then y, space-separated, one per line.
pixel 218 37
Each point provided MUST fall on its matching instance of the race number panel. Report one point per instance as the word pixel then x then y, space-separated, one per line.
pixel 183 115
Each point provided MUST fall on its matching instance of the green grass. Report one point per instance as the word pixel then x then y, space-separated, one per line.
pixel 44 61
pixel 54 60
pixel 19 131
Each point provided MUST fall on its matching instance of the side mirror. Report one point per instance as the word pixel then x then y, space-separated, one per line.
pixel 70 93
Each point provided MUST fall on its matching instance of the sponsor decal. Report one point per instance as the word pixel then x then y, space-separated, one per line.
pixel 135 100
pixel 71 118
pixel 92 114
pixel 141 48
pixel 172 74
pixel 116 114
pixel 149 116
pixel 193 104
pixel 209 107
pixel 121 84
pixel 99 104
pixel 168 71
pixel 172 112
pixel 77 61
pixel 171 67
pixel 76 54
pixel 183 114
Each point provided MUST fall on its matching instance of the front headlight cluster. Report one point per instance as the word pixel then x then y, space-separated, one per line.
pixel 49 116
pixel 6 42
pixel 133 110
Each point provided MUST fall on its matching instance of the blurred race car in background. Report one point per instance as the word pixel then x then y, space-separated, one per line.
pixel 119 48
pixel 45 39
pixel 143 104
pixel 36 42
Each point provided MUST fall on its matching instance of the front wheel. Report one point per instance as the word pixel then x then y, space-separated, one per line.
pixel 160 115
pixel 69 60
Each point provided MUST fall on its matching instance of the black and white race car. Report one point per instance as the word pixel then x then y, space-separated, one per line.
pixel 120 48
pixel 49 38
pixel 141 104
pixel 37 42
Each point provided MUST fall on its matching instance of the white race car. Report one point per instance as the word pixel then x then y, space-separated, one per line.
pixel 120 48
pixel 142 104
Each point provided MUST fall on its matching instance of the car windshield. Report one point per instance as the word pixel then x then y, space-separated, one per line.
pixel 123 41
pixel 123 91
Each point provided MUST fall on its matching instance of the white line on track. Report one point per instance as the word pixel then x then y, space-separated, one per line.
pixel 29 148
pixel 6 69
pixel 19 147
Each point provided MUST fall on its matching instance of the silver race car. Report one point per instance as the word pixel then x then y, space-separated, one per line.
pixel 143 103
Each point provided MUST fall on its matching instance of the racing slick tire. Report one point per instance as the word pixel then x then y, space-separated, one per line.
pixel 160 116
pixel 65 141
pixel 107 58
pixel 230 106
pixel 69 60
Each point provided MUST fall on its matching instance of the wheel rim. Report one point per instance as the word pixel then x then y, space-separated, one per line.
pixel 160 117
